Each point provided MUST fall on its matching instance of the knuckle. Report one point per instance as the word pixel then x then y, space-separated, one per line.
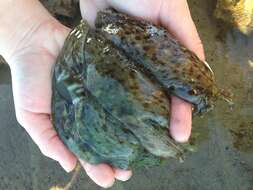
pixel 48 140
pixel 44 152
pixel 21 118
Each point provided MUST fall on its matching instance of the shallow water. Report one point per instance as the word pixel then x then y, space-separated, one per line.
pixel 224 160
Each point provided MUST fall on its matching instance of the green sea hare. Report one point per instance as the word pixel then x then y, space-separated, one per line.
pixel 111 90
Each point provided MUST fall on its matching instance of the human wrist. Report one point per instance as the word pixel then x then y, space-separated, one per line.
pixel 18 18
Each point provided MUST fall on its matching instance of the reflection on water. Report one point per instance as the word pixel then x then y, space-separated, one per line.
pixel 238 50
pixel 250 63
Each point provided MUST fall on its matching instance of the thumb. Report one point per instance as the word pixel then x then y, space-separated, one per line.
pixel 176 17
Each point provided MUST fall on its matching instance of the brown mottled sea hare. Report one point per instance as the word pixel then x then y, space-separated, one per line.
pixel 111 89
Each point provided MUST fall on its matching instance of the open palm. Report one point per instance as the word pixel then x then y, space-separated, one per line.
pixel 31 66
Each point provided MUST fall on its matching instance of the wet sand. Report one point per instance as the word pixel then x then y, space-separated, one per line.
pixel 224 160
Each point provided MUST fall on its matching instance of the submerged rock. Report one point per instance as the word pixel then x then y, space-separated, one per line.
pixel 238 13
pixel 111 89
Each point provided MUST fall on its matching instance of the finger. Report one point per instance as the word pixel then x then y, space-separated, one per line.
pixel 140 9
pixel 180 119
pixel 89 9
pixel 60 34
pixel 176 17
pixel 122 175
pixel 101 174
pixel 40 128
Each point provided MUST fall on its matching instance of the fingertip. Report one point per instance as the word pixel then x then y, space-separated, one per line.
pixel 69 164
pixel 122 175
pixel 101 174
pixel 89 9
pixel 181 120
pixel 179 137
pixel 58 151
pixel 52 147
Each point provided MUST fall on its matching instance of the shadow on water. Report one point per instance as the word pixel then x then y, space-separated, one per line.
pixel 5 77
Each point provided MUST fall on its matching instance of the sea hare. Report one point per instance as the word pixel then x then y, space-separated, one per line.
pixel 111 90
pixel 238 13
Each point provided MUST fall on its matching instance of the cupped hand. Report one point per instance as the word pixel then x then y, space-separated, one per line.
pixel 31 63
pixel 175 16
pixel 33 55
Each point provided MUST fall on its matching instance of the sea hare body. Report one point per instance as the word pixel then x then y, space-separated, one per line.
pixel 111 88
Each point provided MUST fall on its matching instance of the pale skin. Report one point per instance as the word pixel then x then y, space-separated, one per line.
pixel 30 40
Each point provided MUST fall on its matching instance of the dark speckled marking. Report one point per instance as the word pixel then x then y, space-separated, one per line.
pixel 127 32
pixel 199 77
pixel 137 38
pixel 147 48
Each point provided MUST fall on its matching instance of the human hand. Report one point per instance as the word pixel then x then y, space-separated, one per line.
pixel 175 16
pixel 31 48
pixel 31 53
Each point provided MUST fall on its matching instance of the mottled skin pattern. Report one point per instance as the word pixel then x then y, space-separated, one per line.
pixel 111 91
pixel 157 53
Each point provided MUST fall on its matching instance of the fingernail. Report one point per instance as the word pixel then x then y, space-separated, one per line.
pixel 181 138
pixel 101 174
pixel 66 167
pixel 123 175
